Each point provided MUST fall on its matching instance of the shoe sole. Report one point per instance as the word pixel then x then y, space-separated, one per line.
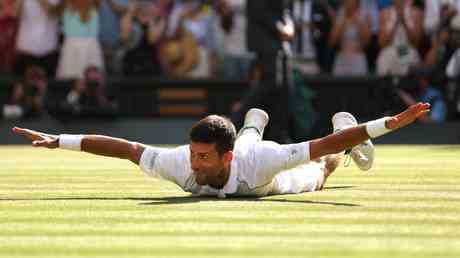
pixel 352 118
pixel 336 116
pixel 260 111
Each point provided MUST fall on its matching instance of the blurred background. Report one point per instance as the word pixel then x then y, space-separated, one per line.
pixel 147 69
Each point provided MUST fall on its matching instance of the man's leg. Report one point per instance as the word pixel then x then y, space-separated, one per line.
pixel 353 136
pixel 362 154
pixel 254 125
pixel 308 177
pixel 332 162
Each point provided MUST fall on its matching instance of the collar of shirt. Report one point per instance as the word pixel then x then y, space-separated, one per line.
pixel 232 183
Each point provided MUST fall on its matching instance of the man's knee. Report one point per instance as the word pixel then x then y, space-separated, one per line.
pixel 320 181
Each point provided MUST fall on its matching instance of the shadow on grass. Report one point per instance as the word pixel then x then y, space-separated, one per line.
pixel 182 200
pixel 191 199
pixel 338 187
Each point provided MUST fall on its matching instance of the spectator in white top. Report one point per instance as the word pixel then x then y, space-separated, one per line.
pixel 401 28
pixel 37 40
pixel 445 41
pixel 303 39
pixel 351 35
pixel 230 30
pixel 195 18
pixel 81 48
pixel 432 18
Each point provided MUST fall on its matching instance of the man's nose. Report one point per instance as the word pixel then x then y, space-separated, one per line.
pixel 195 165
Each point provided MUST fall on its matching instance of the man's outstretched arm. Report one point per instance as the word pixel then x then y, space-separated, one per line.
pixel 348 138
pixel 95 144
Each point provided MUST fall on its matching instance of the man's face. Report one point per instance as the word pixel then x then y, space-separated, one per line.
pixel 206 162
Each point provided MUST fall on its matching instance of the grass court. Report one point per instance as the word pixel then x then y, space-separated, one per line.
pixel 56 203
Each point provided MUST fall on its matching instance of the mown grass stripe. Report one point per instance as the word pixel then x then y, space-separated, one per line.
pixel 69 204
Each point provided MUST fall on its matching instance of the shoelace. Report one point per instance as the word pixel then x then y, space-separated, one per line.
pixel 348 158
pixel 347 161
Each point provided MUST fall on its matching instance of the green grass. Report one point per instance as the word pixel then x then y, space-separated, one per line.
pixel 69 204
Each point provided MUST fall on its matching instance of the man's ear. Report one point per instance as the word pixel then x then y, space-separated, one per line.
pixel 228 156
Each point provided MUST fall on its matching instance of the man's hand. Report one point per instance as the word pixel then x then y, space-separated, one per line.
pixel 38 139
pixel 408 116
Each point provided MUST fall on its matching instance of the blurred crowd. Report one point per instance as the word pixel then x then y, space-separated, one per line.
pixel 64 39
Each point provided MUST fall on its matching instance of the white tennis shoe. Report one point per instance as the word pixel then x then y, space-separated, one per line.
pixel 257 119
pixel 362 154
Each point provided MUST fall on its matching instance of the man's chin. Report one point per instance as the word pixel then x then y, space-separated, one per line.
pixel 201 181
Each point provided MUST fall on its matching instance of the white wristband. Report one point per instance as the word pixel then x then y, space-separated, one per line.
pixel 70 141
pixel 377 127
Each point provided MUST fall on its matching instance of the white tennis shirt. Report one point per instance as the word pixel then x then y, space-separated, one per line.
pixel 252 170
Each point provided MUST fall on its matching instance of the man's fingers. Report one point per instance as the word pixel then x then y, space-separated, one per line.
pixel 409 115
pixel 421 108
pixel 39 143
pixel 421 113
pixel 32 135
pixel 45 143
pixel 23 131
pixel 38 139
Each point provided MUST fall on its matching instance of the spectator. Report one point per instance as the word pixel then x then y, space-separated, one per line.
pixel 323 17
pixel 179 51
pixel 452 69
pixel 268 35
pixel 28 95
pixel 89 97
pixel 371 8
pixel 80 20
pixel 111 12
pixel 303 41
pixel 399 37
pixel 351 35
pixel 179 55
pixel 195 18
pixel 8 26
pixel 37 40
pixel 141 30
pixel 384 4
pixel 453 40
pixel 432 17
pixel 445 40
pixel 235 59
pixel 424 92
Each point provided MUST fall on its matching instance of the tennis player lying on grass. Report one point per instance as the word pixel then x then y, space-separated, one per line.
pixel 218 162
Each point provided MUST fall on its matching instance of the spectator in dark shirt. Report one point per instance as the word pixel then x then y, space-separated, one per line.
pixel 28 95
pixel 89 96
pixel 141 30
pixel 8 26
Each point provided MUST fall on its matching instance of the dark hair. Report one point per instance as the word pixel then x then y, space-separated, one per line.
pixel 215 129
